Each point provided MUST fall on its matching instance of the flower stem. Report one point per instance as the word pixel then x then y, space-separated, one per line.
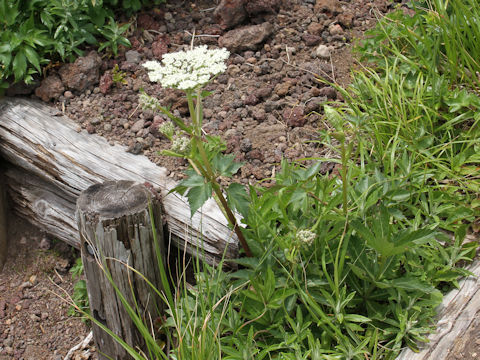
pixel 218 191
pixel 196 114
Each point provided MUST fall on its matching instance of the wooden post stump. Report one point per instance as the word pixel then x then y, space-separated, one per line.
pixel 3 222
pixel 115 230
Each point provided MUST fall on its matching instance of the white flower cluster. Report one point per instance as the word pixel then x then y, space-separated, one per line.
pixel 167 129
pixel 180 144
pixel 187 70
pixel 148 102
pixel 306 236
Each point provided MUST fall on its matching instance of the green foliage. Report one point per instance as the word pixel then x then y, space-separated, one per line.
pixel 377 296
pixel 113 33
pixel 441 38
pixel 80 294
pixel 348 266
pixel 118 76
pixel 32 33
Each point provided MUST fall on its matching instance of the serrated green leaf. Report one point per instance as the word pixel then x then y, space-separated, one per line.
pixel 192 180
pixel 238 199
pixel 225 165
pixel 197 196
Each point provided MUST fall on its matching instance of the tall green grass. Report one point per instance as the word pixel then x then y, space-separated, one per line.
pixel 441 38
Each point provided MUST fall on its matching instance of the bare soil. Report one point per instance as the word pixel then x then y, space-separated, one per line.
pixel 34 289
pixel 266 106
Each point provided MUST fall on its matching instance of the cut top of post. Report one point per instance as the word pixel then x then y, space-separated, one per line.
pixel 114 199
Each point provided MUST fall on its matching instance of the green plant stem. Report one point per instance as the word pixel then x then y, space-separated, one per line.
pixel 216 187
pixel 337 267
pixel 344 178
pixel 209 173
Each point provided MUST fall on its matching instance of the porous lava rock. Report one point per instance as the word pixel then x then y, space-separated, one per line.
pixel 294 116
pixel 106 82
pixel 255 7
pixel 230 13
pixel 50 88
pixel 83 73
pixel 329 7
pixel 246 38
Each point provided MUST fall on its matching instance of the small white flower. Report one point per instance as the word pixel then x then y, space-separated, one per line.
pixel 148 102
pixel 167 129
pixel 187 70
pixel 306 236
pixel 180 144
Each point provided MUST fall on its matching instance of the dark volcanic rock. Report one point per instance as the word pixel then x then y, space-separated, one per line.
pixel 146 22
pixel 20 88
pixel 254 7
pixel 246 38
pixel 160 46
pixel 83 73
pixel 329 92
pixel 230 13
pixel 106 82
pixel 294 116
pixel 329 7
pixel 315 28
pixel 50 88
pixel 346 19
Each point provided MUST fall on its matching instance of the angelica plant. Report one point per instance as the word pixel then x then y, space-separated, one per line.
pixel 190 71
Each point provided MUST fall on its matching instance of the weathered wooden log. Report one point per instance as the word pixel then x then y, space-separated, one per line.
pixel 46 146
pixel 3 222
pixel 455 315
pixel 116 233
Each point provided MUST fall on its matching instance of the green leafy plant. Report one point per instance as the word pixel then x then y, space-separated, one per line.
pixel 439 38
pixel 80 294
pixel 113 33
pixel 190 71
pixel 32 33
pixel 118 76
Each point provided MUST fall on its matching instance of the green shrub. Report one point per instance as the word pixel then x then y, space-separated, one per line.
pixel 34 32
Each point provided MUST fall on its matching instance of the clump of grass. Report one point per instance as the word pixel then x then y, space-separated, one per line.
pixel 441 38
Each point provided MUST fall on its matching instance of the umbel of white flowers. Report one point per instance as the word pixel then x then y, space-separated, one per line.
pixel 187 70
pixel 306 236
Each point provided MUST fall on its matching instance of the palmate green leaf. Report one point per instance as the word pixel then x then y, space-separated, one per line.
pixel 198 191
pixel 299 200
pixel 192 180
pixel 197 196
pixel 225 165
pixel 238 199
pixel 406 237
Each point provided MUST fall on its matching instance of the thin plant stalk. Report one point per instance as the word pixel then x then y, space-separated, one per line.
pixel 207 171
